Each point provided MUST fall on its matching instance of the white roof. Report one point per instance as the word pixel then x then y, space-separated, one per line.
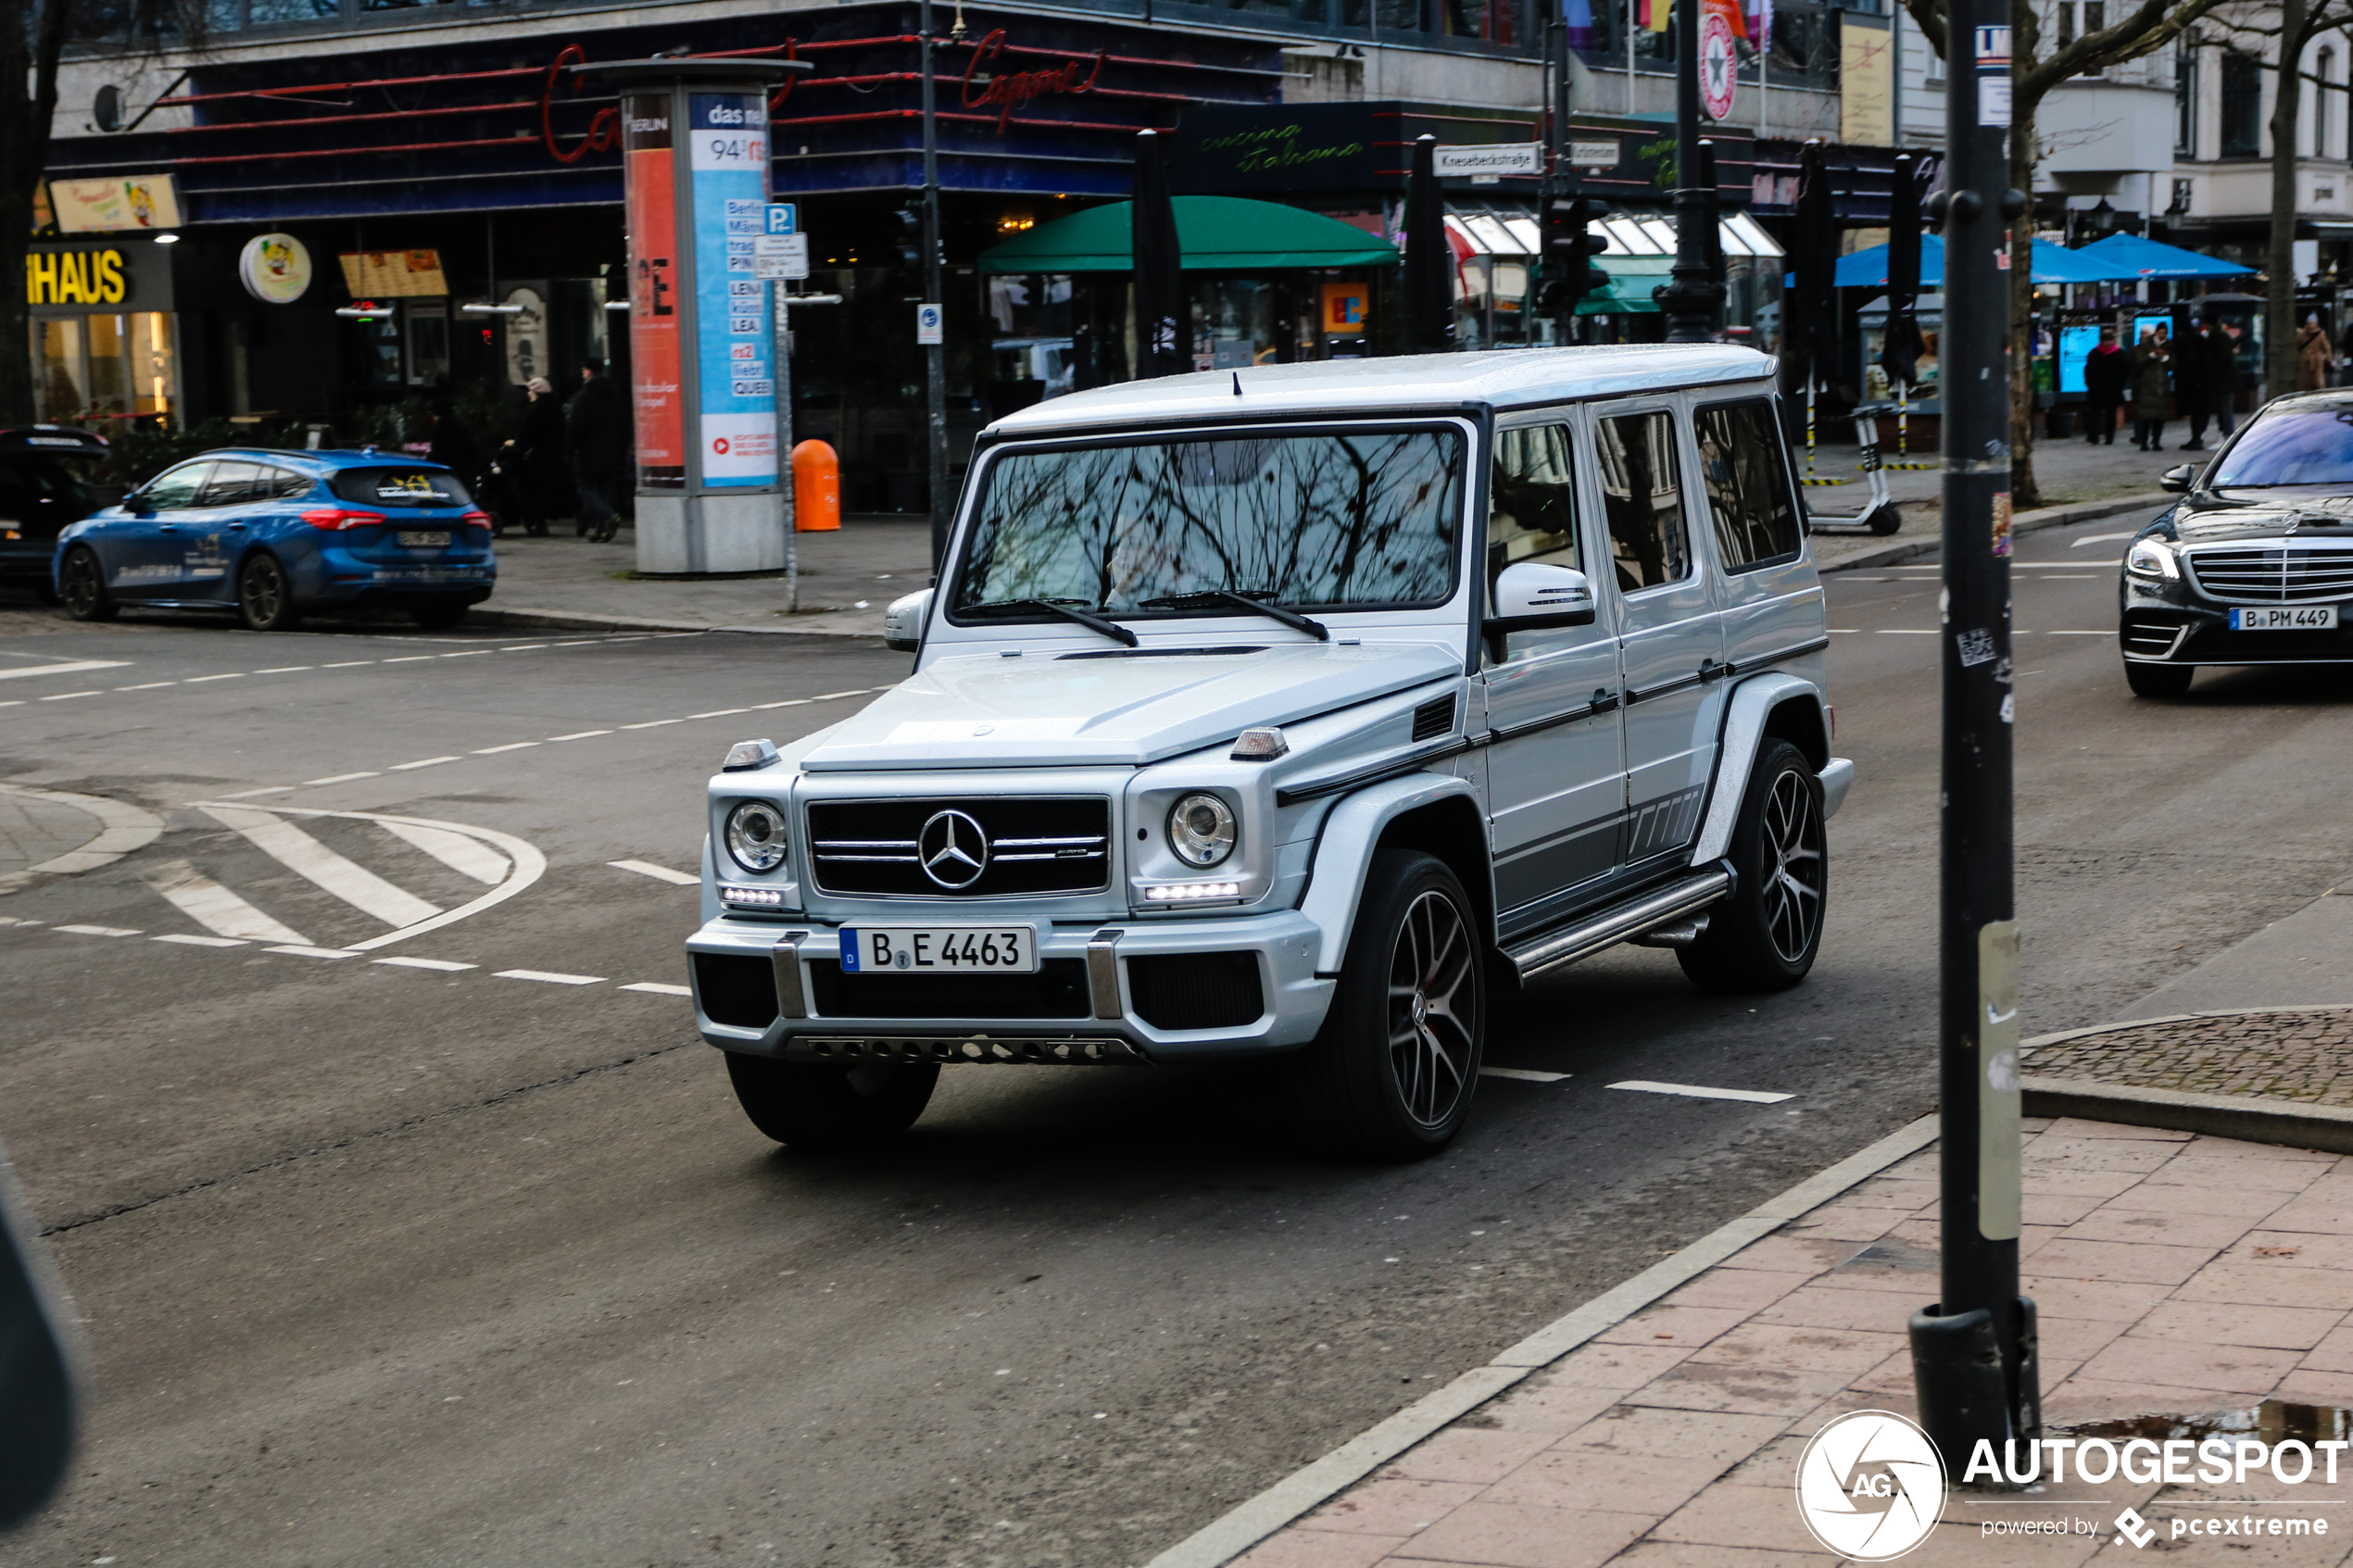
pixel 1503 378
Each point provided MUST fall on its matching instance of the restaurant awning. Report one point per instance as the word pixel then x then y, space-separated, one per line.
pixel 1866 269
pixel 2154 258
pixel 1218 235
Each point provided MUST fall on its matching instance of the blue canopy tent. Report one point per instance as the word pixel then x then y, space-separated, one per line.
pixel 2053 264
pixel 2153 258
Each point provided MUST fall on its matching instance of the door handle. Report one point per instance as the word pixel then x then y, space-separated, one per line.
pixel 236 525
pixel 1711 670
pixel 1604 699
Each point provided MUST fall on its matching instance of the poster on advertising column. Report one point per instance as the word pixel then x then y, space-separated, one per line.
pixel 728 156
pixel 653 292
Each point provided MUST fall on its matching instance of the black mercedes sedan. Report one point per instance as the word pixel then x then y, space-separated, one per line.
pixel 2254 565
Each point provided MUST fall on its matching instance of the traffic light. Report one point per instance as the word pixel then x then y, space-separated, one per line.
pixel 910 239
pixel 1570 249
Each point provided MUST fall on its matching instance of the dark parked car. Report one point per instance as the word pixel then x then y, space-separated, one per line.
pixel 2254 565
pixel 274 535
pixel 42 490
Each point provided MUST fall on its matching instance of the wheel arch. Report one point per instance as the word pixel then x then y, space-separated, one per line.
pixel 1437 814
pixel 1771 706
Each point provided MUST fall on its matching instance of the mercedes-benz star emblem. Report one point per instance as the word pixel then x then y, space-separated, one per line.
pixel 953 849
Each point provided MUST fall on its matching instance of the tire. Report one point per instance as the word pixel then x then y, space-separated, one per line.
pixel 819 1106
pixel 1766 936
pixel 1390 1076
pixel 82 586
pixel 438 615
pixel 2159 680
pixel 265 595
pixel 1886 521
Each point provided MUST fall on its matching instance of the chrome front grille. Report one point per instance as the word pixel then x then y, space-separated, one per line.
pixel 1036 845
pixel 2271 574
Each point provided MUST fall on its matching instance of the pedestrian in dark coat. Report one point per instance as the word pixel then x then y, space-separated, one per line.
pixel 599 439
pixel 2105 375
pixel 542 461
pixel 2222 375
pixel 2152 358
pixel 450 444
pixel 2189 383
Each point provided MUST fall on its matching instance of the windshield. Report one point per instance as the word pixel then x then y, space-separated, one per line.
pixel 1333 518
pixel 2300 446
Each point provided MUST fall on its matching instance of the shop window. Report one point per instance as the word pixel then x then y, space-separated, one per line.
pixel 428 343
pixel 110 370
pixel 65 387
pixel 1643 495
pixel 1748 489
pixel 2185 103
pixel 2242 106
pixel 154 363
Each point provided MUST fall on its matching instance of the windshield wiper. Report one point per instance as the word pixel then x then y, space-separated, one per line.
pixel 1205 597
pixel 1063 608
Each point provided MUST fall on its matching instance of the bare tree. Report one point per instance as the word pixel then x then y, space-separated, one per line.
pixel 2147 28
pixel 32 36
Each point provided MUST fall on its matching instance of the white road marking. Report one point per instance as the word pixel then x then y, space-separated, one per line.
pixel 214 907
pixel 423 762
pixel 1693 1091
pixel 127 828
pixel 524 647
pixel 340 778
pixel 410 658
pixel 653 723
pixel 347 664
pixel 190 939
pixel 2101 539
pixel 306 857
pixel 656 988
pixel 548 977
pixel 274 669
pixel 854 691
pixel 1841 631
pixel 1524 1074
pixel 788 702
pixel 582 644
pixel 151 686
pixel 459 851
pixel 68 697
pixel 467 653
pixel 200 680
pixel 69 668
pixel 579 735
pixel 2071 577
pixel 1906 632
pixel 444 965
pixel 96 930
pixel 267 789
pixel 2079 634
pixel 306 952
pixel 719 713
pixel 510 746
pixel 660 873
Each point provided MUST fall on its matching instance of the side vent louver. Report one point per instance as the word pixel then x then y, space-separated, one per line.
pixel 1434 718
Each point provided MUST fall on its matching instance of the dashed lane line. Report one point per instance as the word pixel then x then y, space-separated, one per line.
pixel 657 988
pixel 549 977
pixel 443 966
pixel 510 746
pixel 341 778
pixel 422 762
pixel 72 666
pixel 200 680
pixel 1695 1091
pixel 68 697
pixel 660 873
pixel 97 929
pixel 300 950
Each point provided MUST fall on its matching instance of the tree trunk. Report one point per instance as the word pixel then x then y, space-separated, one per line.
pixel 15 316
pixel 2025 493
pixel 2279 316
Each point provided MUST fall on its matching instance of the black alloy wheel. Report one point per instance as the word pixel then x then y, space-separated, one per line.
pixel 265 597
pixel 83 583
pixel 1392 1073
pixel 1765 934
pixel 2159 680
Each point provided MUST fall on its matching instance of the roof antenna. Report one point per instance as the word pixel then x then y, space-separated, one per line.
pixel 1237 383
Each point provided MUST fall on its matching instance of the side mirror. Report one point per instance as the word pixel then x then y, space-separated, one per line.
pixel 903 621
pixel 1532 596
pixel 2178 480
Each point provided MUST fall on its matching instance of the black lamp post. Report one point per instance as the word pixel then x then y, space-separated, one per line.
pixel 1694 296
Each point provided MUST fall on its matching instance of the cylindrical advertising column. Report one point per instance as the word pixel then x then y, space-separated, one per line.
pixel 703 383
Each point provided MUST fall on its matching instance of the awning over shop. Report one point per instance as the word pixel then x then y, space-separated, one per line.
pixel 1218 233
pixel 2154 258
pixel 1866 269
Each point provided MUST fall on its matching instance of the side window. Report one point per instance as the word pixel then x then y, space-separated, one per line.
pixel 1531 511
pixel 232 485
pixel 1746 477
pixel 1643 495
pixel 284 484
pixel 176 490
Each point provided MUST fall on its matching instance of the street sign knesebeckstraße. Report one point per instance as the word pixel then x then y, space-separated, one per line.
pixel 780 255
pixel 1502 157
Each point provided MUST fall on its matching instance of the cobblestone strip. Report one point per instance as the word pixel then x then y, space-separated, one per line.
pixel 2303 1055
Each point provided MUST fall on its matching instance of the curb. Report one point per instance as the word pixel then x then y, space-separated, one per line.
pixel 2291 1123
pixel 2024 522
pixel 567 621
pixel 1228 1537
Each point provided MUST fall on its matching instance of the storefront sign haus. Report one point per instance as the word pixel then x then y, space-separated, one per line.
pixel 70 279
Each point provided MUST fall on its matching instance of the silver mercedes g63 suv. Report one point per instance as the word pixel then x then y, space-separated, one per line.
pixel 1288 711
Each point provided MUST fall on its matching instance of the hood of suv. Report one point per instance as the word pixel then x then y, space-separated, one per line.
pixel 1127 708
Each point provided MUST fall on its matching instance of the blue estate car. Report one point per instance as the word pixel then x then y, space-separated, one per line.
pixel 274 535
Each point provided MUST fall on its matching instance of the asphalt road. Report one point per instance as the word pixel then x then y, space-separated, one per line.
pixel 393 1264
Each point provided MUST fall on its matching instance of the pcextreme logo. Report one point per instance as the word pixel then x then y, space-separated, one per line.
pixel 1870 1486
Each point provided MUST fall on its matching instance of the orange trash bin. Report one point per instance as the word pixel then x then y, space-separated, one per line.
pixel 816 487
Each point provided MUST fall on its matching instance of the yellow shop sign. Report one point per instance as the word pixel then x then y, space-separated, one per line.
pixel 74 277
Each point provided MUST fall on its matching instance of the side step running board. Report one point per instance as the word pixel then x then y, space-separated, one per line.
pixel 1608 927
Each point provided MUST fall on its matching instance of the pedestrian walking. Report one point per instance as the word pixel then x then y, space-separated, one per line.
pixel 540 461
pixel 2106 372
pixel 2189 382
pixel 2222 375
pixel 597 440
pixel 449 442
pixel 2152 367
pixel 2313 354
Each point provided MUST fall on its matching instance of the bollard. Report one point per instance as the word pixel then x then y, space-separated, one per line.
pixel 816 485
pixel 1957 1371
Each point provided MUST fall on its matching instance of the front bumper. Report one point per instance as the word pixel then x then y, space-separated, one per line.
pixel 2192 630
pixel 762 987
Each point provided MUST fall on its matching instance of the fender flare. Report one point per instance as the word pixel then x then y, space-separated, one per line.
pixel 1752 704
pixel 1344 851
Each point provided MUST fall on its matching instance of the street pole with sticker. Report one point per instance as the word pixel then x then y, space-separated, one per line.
pixel 1973 1350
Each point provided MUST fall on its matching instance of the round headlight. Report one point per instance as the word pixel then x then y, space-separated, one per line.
pixel 1200 829
pixel 756 835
